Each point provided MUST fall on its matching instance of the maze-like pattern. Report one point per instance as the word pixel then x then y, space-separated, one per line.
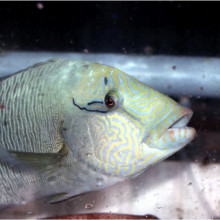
pixel 118 135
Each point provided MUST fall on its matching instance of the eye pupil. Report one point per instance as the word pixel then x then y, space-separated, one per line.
pixel 113 100
pixel 109 102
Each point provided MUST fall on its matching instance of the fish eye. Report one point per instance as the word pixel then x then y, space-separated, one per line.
pixel 113 99
pixel 109 102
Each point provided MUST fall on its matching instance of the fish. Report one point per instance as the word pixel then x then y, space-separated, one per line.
pixel 68 127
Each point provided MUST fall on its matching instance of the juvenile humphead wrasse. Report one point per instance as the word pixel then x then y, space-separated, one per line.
pixel 70 127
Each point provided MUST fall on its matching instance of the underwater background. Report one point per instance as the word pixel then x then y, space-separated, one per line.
pixel 176 35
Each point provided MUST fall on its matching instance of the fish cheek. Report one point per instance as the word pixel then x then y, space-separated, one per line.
pixel 115 140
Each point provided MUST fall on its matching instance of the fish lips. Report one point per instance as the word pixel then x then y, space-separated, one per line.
pixel 177 134
pixel 184 118
pixel 180 125
pixel 172 133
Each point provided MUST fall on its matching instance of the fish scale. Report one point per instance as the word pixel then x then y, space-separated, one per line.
pixel 23 105
pixel 70 127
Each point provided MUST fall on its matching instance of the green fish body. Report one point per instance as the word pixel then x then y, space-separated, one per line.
pixel 70 127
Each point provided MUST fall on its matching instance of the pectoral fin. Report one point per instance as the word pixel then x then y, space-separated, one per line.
pixel 27 160
pixel 56 198
pixel 60 197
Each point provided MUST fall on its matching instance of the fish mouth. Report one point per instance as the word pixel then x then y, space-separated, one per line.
pixel 177 134
pixel 169 136
pixel 183 120
pixel 172 129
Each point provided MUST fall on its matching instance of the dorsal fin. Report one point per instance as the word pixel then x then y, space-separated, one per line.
pixel 32 66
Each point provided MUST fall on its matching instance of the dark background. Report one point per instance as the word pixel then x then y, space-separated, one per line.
pixel 178 28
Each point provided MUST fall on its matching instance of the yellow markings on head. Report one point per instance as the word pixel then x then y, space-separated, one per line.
pixel 128 159
pixel 113 164
pixel 133 169
pixel 135 86
pixel 147 158
pixel 117 171
pixel 165 139
pixel 102 142
pixel 119 152
pixel 106 167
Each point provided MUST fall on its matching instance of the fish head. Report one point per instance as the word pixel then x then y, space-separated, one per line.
pixel 129 126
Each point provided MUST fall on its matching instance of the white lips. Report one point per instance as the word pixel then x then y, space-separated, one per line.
pixel 183 120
